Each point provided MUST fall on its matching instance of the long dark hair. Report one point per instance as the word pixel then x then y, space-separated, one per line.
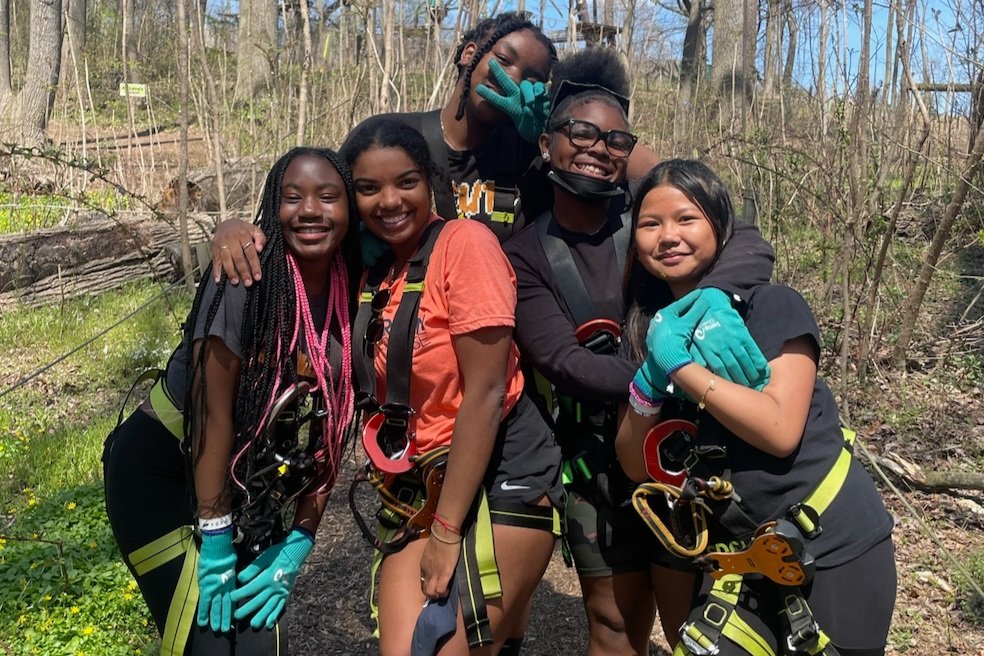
pixel 485 35
pixel 644 293
pixel 270 321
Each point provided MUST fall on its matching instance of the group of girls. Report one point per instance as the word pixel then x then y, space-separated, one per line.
pixel 451 340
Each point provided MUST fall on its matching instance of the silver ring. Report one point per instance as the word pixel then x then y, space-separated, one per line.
pixel 247 245
pixel 422 579
pixel 223 247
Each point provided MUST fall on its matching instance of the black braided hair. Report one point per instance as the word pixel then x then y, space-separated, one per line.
pixel 598 66
pixel 485 35
pixel 270 317
pixel 645 294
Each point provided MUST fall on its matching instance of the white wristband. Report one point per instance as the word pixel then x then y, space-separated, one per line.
pixel 215 523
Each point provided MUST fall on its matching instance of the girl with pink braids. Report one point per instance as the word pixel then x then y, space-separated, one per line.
pixel 216 485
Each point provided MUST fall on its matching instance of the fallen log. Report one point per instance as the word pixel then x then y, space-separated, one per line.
pixel 930 480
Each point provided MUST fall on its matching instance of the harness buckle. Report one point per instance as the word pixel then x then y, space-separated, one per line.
pixel 806 519
pixel 806 639
pixel 696 642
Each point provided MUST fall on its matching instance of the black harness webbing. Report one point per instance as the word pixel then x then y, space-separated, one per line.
pixel 444 199
pixel 565 273
pixel 399 355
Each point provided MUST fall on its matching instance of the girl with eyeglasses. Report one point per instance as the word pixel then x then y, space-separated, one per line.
pixel 482 140
pixel 496 519
pixel 778 443
pixel 216 485
pixel 569 333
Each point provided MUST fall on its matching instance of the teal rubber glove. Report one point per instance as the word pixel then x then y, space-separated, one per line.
pixel 670 334
pixel 651 383
pixel 267 581
pixel 723 342
pixel 216 580
pixel 526 103
pixel 372 247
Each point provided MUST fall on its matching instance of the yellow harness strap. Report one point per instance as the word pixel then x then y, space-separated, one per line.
pixel 166 410
pixel 184 601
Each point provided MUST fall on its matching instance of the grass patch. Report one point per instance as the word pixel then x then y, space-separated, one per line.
pixel 27 212
pixel 971 603
pixel 63 587
pixel 78 598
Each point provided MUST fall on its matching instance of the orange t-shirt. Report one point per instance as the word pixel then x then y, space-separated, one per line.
pixel 469 284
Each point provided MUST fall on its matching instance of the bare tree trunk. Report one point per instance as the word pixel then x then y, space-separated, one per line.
pixel 6 83
pixel 256 46
pixel 911 158
pixel 691 65
pixel 75 29
pixel 385 84
pixel 913 303
pixel 183 73
pixel 727 50
pixel 822 69
pixel 770 56
pixel 302 100
pixel 212 119
pixel 24 114
pixel 792 32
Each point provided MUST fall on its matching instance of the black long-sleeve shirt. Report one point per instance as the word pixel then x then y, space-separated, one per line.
pixel 545 330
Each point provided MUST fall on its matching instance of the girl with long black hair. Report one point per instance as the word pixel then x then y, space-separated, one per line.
pixel 215 486
pixel 768 463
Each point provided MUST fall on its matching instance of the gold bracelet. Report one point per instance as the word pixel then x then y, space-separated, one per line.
pixel 444 540
pixel 703 397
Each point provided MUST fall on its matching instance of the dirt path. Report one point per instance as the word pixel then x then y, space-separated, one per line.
pixel 329 613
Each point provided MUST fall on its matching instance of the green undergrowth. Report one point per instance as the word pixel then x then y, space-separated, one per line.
pixel 970 600
pixel 27 212
pixel 63 587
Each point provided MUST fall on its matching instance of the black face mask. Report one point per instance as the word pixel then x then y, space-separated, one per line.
pixel 584 186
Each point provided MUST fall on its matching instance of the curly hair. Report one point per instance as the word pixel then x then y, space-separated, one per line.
pixel 600 68
pixel 485 35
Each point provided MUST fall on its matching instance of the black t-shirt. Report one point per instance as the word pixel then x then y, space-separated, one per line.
pixel 545 329
pixel 227 325
pixel 856 520
pixel 484 182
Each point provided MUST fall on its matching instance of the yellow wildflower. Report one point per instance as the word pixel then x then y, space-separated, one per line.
pixel 22 619
pixel 46 597
pixel 132 585
pixel 71 505
pixel 32 502
pixel 3 543
pixel 89 630
pixel 75 610
pixel 127 596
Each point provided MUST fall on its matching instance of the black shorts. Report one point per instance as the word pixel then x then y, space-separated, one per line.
pixel 525 464
pixel 604 541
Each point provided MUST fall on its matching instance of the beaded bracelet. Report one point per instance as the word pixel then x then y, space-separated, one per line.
pixel 643 405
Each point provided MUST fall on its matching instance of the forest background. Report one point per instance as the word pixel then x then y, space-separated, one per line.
pixel 849 131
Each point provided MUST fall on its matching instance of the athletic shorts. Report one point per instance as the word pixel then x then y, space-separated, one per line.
pixel 525 463
pixel 604 541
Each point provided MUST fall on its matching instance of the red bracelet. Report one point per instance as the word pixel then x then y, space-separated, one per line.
pixel 448 526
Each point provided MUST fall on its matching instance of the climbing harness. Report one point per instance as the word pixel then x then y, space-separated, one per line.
pixel 408 483
pixel 777 551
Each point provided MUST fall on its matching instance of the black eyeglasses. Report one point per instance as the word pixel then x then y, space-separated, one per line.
pixel 374 329
pixel 582 134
